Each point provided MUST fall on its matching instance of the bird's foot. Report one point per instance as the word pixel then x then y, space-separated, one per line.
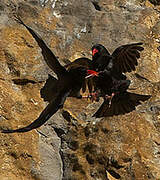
pixel 92 96
pixel 110 98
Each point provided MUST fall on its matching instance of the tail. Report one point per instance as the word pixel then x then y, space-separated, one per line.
pixel 121 104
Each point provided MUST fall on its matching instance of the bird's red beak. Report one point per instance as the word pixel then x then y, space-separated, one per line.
pixel 91 73
pixel 94 51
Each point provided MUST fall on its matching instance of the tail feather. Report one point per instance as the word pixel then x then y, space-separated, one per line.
pixel 121 104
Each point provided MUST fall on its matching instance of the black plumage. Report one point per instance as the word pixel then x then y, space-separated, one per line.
pixel 122 60
pixel 69 83
pixel 49 90
pixel 122 103
pixel 112 84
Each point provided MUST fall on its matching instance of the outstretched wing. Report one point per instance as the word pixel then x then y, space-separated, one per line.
pixel 121 104
pixel 50 109
pixel 125 57
pixel 48 55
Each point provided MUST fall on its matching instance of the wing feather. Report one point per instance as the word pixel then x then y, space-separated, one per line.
pixel 84 62
pixel 121 104
pixel 48 55
pixel 125 57
pixel 50 109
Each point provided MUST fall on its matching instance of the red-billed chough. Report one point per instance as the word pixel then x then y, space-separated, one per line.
pixel 68 82
pixel 117 100
pixel 111 83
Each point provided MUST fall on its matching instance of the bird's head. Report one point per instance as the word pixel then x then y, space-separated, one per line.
pixel 99 50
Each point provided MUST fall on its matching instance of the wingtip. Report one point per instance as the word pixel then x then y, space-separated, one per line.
pixel 7 131
pixel 21 130
pixel 140 43
pixel 96 115
pixel 148 97
pixel 18 19
pixel 145 97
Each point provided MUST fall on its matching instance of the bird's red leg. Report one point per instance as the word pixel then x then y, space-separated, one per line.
pixel 93 96
pixel 110 98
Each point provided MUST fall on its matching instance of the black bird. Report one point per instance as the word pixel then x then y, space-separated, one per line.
pixel 50 88
pixel 122 60
pixel 69 82
pixel 111 83
pixel 117 100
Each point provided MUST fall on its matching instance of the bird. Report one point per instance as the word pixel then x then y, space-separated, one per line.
pixel 69 82
pixel 113 66
pixel 122 60
pixel 116 98
pixel 111 82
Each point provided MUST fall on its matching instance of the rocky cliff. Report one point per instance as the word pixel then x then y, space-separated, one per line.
pixel 72 145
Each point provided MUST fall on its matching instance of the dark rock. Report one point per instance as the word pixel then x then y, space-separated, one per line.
pixel 74 145
pixel 114 174
pixel 89 159
pixel 154 2
pixel 91 148
pixel 23 81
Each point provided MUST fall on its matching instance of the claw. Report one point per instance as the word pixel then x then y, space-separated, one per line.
pixel 92 96
pixel 110 98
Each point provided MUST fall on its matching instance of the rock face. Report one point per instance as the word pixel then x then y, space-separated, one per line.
pixel 72 144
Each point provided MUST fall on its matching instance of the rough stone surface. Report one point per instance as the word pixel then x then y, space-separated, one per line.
pixel 72 145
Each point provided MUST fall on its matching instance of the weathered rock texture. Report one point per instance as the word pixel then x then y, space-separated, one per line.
pixel 72 144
